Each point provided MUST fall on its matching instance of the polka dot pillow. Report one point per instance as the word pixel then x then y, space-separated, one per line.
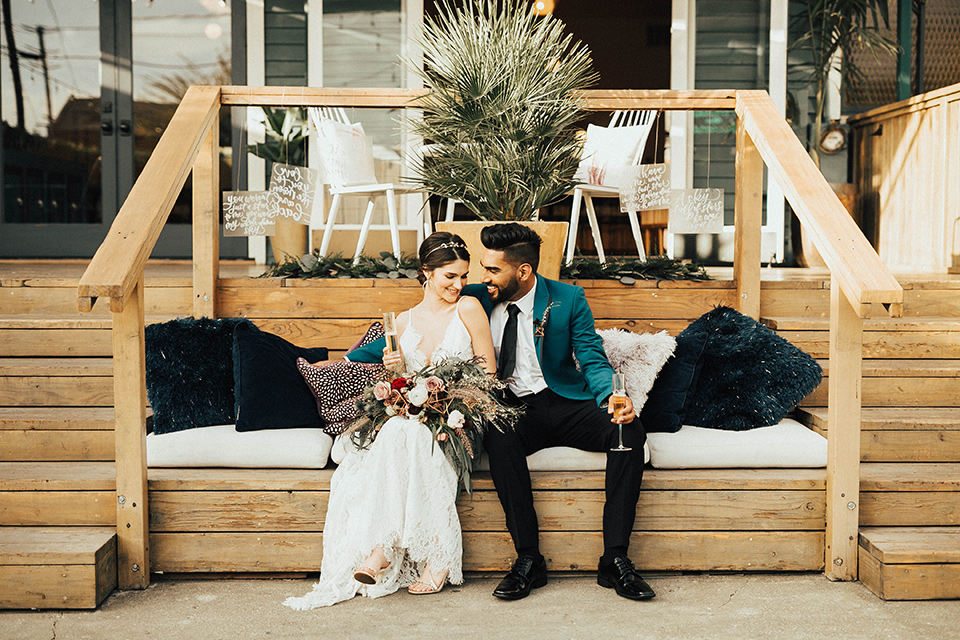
pixel 337 386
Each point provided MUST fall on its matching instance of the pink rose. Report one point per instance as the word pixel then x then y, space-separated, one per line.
pixel 433 384
pixel 382 390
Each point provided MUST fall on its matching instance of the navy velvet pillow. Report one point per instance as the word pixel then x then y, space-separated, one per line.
pixel 750 377
pixel 189 372
pixel 664 408
pixel 270 392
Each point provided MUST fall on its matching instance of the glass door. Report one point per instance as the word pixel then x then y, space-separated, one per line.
pixel 56 200
pixel 87 89
pixel 176 44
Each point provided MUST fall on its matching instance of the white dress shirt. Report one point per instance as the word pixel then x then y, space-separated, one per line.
pixel 527 376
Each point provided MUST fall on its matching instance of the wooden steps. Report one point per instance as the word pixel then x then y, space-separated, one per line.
pixel 901 383
pixel 57 494
pixel 909 494
pixel 56 382
pixel 48 434
pixel 900 434
pixel 272 520
pixel 911 563
pixel 56 567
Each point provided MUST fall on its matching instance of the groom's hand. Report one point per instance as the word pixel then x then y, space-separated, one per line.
pixel 626 415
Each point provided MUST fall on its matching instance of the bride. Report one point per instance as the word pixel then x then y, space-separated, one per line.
pixel 392 520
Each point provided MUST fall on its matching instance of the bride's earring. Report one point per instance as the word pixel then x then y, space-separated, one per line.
pixel 427 285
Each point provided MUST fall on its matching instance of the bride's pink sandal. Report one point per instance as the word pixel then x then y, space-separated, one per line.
pixel 431 586
pixel 366 574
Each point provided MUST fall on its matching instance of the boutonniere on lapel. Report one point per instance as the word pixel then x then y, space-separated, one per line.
pixel 540 324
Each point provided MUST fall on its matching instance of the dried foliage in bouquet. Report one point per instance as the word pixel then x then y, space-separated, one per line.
pixel 454 398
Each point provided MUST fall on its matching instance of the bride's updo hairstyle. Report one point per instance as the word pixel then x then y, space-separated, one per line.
pixel 438 249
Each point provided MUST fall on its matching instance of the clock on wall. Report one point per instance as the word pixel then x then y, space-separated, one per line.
pixel 833 138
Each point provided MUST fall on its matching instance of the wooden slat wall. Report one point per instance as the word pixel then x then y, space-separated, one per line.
pixel 908 165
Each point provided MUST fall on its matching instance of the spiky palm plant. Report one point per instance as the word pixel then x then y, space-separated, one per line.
pixel 502 98
pixel 829 27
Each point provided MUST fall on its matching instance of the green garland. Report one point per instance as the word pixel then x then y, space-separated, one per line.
pixel 626 270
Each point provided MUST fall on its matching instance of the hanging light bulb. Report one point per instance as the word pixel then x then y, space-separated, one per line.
pixel 543 7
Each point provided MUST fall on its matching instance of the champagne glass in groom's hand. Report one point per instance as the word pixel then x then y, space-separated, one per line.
pixel 618 401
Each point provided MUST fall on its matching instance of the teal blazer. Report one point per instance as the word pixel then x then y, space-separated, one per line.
pixel 564 336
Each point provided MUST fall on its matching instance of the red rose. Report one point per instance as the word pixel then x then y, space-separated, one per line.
pixel 399 383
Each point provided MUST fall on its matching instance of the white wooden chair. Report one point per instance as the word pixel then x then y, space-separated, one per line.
pixel 347 176
pixel 642 122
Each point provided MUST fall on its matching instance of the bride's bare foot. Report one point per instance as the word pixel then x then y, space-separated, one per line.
pixel 428 582
pixel 372 568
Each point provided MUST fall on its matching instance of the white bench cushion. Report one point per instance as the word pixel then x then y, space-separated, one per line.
pixel 549 459
pixel 224 446
pixel 786 444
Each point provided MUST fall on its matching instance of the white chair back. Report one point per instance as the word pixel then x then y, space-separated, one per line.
pixel 346 153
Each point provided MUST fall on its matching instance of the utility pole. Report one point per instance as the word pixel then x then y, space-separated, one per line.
pixel 14 62
pixel 46 75
pixel 42 57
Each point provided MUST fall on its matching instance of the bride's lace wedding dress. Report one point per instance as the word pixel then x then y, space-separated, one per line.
pixel 399 494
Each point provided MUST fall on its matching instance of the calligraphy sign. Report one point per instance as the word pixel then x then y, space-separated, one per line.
pixel 295 189
pixel 645 188
pixel 696 211
pixel 249 213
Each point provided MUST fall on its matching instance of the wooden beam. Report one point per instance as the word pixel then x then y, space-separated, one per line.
pixel 118 263
pixel 206 224
pixel 130 399
pixel 748 212
pixel 853 263
pixel 595 100
pixel 843 438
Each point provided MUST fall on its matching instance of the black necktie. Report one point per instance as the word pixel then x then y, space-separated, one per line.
pixel 508 345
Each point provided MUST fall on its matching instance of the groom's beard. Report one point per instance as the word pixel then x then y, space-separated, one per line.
pixel 505 293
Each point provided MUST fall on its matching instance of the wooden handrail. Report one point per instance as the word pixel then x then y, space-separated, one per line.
pixel 850 258
pixel 118 263
pixel 597 100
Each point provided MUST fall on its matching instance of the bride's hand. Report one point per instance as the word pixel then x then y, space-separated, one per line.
pixel 392 359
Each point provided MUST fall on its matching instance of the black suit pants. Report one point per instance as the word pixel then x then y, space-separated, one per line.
pixel 550 421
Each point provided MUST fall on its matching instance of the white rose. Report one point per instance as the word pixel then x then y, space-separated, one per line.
pixel 390 411
pixel 418 395
pixel 455 419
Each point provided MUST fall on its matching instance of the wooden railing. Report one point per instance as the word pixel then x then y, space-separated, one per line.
pixel 763 137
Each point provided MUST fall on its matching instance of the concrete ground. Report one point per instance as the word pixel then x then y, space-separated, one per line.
pixel 738 607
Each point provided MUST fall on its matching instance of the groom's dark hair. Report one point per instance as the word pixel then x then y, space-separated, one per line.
pixel 519 244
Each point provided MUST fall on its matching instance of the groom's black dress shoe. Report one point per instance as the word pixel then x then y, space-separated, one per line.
pixel 527 573
pixel 621 575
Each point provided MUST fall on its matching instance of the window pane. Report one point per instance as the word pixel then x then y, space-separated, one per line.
pixel 51 141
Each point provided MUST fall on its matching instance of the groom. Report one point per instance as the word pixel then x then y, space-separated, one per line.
pixel 548 348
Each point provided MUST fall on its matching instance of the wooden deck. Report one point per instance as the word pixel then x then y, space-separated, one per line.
pixel 57 449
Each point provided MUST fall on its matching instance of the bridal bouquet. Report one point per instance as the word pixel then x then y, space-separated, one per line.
pixel 454 398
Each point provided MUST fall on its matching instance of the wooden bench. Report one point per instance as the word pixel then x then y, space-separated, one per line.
pixel 270 520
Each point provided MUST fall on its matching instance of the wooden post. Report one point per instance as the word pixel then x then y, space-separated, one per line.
pixel 843 436
pixel 748 219
pixel 206 224
pixel 130 401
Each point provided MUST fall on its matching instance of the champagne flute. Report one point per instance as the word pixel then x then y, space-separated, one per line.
pixel 390 331
pixel 618 400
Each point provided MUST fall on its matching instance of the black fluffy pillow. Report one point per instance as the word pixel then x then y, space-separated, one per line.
pixel 664 409
pixel 270 392
pixel 189 371
pixel 750 377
